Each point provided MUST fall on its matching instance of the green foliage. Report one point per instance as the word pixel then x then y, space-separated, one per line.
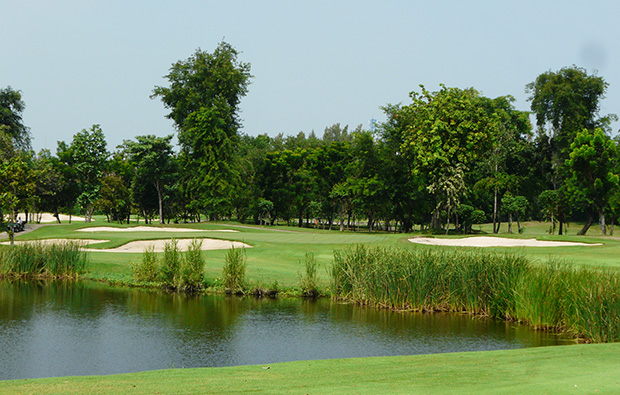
pixel 233 272
pixel 11 108
pixel 568 100
pixel 146 270
pixel 40 259
pixel 90 155
pixel 593 163
pixel 170 269
pixel 153 162
pixel 192 267
pixel 204 94
pixel 308 285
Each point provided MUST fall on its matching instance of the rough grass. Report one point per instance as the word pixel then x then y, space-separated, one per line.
pixel 38 259
pixel 581 301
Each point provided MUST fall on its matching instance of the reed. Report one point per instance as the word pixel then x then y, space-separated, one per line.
pixel 170 270
pixel 557 296
pixel 308 283
pixel 192 267
pixel 233 272
pixel 146 270
pixel 38 259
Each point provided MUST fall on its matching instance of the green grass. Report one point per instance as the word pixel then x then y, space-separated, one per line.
pixel 580 369
pixel 277 251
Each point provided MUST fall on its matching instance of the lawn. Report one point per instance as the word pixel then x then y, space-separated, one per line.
pixel 581 369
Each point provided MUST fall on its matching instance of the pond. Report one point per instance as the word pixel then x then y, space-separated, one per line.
pixel 62 329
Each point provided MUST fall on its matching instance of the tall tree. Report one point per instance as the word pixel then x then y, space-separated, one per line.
pixel 445 132
pixel 566 102
pixel 203 97
pixel 89 153
pixel 11 109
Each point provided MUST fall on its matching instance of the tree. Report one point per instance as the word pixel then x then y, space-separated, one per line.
pixel 445 132
pixel 203 98
pixel 11 108
pixel 510 127
pixel 153 159
pixel 565 103
pixel 592 162
pixel 514 206
pixel 90 155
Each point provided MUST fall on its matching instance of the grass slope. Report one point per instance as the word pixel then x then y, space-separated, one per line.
pixel 592 368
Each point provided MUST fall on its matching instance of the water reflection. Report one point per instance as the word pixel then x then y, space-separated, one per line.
pixel 58 329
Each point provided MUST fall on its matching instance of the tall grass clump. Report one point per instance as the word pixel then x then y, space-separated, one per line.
pixel 233 272
pixel 426 280
pixel 38 259
pixel 170 269
pixel 584 302
pixel 308 284
pixel 146 270
pixel 177 271
pixel 192 267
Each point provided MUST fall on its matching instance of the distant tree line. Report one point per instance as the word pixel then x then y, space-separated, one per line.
pixel 447 160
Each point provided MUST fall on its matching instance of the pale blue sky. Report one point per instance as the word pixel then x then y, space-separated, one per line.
pixel 315 63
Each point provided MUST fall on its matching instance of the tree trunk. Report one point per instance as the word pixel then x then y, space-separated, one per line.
pixel 495 227
pixel 601 221
pixel 160 201
pixel 585 228
pixel 510 223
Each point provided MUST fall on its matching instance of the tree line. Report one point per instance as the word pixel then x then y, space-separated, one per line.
pixel 447 160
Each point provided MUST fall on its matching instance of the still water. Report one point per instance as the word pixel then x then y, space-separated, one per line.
pixel 62 329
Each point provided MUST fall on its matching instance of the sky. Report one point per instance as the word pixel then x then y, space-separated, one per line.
pixel 79 63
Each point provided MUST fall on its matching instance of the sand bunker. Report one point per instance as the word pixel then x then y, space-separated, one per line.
pixel 183 244
pixel 58 241
pixel 485 241
pixel 149 229
pixel 46 218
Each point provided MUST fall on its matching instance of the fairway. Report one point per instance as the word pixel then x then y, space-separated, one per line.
pixel 579 369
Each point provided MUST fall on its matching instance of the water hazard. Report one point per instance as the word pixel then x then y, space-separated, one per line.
pixel 65 329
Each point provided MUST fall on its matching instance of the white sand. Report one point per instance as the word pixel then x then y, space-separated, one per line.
pixel 148 229
pixel 207 244
pixel 141 245
pixel 57 241
pixel 49 218
pixel 485 241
